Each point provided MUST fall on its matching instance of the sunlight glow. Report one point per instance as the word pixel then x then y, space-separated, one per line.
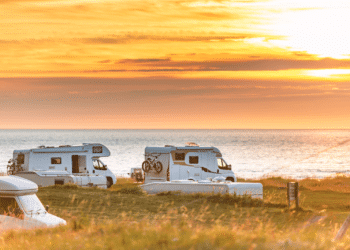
pixel 320 30
pixel 328 72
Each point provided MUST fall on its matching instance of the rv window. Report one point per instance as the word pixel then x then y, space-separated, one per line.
pixel 97 150
pixel 20 159
pixel 56 160
pixel 179 156
pixel 193 159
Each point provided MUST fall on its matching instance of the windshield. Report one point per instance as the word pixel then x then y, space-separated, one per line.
pixel 9 206
pixel 222 164
pixel 31 204
pixel 98 165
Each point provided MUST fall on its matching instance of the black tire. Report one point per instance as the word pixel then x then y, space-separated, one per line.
pixel 158 166
pixel 146 166
pixel 230 179
pixel 109 182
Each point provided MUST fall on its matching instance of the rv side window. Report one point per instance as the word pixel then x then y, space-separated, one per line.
pixel 193 159
pixel 20 159
pixel 179 156
pixel 56 160
pixel 97 149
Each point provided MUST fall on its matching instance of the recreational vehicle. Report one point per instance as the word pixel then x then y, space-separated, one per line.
pixel 185 163
pixel 58 165
pixel 18 200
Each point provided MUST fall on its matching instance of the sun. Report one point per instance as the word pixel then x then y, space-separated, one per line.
pixel 318 28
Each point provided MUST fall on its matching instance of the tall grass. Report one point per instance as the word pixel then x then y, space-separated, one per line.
pixel 161 232
pixel 124 217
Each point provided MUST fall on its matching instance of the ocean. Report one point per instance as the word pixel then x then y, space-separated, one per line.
pixel 252 153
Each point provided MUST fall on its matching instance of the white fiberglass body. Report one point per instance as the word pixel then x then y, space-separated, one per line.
pixel 191 162
pixel 18 198
pixel 76 164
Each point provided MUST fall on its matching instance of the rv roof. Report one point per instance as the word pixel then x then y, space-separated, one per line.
pixel 13 184
pixel 168 149
pixel 64 148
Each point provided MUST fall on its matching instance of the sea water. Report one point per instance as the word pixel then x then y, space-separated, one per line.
pixel 252 153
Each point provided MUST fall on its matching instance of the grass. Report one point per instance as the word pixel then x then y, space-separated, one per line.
pixel 124 217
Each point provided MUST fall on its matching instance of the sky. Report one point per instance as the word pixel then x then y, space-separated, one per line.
pixel 174 64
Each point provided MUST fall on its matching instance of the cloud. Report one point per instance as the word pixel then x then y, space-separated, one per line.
pixel 232 65
pixel 127 38
pixel 105 61
pixel 144 60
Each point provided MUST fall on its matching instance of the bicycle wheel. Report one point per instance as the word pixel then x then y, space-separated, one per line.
pixel 146 166
pixel 158 166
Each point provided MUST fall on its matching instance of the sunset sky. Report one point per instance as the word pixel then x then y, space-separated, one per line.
pixel 96 64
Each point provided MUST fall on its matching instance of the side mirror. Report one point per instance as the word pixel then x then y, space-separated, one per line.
pixel 47 208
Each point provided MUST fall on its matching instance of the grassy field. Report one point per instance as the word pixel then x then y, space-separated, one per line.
pixel 123 217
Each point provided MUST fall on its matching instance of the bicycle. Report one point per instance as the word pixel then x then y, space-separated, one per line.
pixel 149 163
pixel 13 167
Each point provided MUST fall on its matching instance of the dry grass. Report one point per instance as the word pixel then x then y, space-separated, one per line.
pixel 123 217
pixel 124 232
pixel 339 183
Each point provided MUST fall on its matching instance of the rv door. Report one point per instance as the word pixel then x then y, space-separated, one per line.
pixel 75 164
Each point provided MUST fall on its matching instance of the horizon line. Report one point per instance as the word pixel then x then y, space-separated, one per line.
pixel 174 128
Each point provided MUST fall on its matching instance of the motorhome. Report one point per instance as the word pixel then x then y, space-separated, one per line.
pixel 19 204
pixel 58 165
pixel 191 162
pixel 136 174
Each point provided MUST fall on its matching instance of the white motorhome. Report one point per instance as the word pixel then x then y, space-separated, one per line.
pixel 185 163
pixel 18 200
pixel 58 165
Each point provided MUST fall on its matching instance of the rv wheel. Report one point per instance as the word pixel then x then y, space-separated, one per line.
pixel 230 179
pixel 109 182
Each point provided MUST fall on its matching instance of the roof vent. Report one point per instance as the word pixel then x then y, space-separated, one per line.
pixel 191 144
pixel 41 146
